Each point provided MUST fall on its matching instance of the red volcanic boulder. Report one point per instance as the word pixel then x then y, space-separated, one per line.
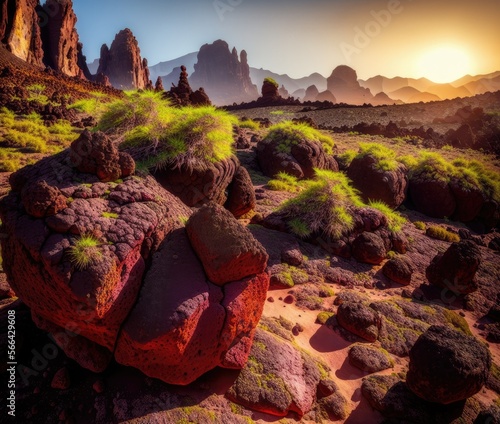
pixel 196 187
pixel 377 184
pixel 227 249
pixel 294 154
pixel 184 325
pixel 432 197
pixel 41 200
pixel 95 153
pixel 241 194
pixel 447 366
pixel 84 263
pixel 399 270
pixel 369 248
pixel 455 269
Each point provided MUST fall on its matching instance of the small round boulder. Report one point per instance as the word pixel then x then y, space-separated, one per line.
pixel 447 366
pixel 369 248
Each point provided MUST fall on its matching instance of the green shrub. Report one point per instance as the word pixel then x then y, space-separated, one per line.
pixel 35 94
pixel 95 105
pixel 345 159
pixel 249 124
pixel 85 252
pixel 325 206
pixel 9 161
pixel 286 182
pixel 419 225
pixel 289 133
pixel 440 233
pixel 323 317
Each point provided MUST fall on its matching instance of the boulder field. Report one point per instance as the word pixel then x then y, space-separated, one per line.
pixel 103 260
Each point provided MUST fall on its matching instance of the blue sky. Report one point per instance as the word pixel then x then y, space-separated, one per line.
pixel 298 37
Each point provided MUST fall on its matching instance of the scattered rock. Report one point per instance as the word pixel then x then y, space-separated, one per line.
pixel 447 366
pixel 369 248
pixel 289 299
pixel 359 319
pixel 456 268
pixel 369 358
pixel 61 379
pixel 399 269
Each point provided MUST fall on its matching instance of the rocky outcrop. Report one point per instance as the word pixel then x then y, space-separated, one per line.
pixel 447 366
pixel 241 194
pixel 60 39
pixel 456 268
pixel 225 77
pixel 84 238
pixel 311 94
pixel 388 186
pixel 122 63
pixel 183 95
pixel 432 197
pixel 343 84
pixel 19 29
pixel 326 96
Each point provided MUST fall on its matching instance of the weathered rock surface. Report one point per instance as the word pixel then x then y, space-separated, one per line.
pixel 241 194
pixel 447 366
pixel 183 325
pixel 196 187
pixel 126 219
pixel 60 39
pixel 183 95
pixel 432 198
pixel 359 319
pixel 227 250
pixel 369 358
pixel 456 268
pixel 277 378
pixel 375 184
pixel 369 248
pixel 19 30
pixel 122 63
pixel 225 77
pixel 399 269
pixel 391 396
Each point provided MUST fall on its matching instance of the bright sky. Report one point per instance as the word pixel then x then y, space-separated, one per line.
pixel 438 39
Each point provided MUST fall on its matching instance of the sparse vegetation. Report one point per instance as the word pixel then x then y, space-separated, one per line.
pixel 271 81
pixel 249 124
pixel 85 252
pixel 385 157
pixel 324 317
pixel 346 158
pixel 289 133
pixel 394 219
pixel 35 94
pixel 110 215
pixel 286 182
pixel 95 105
pixel 440 233
pixel 419 225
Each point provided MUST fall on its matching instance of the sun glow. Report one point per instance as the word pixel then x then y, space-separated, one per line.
pixel 445 63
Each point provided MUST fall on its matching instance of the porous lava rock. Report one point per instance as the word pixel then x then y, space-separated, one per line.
pixel 241 194
pixel 227 249
pixel 388 186
pixel 359 319
pixel 399 269
pixel 456 268
pixel 369 248
pixel 447 366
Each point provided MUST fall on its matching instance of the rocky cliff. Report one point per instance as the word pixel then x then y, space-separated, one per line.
pixel 60 39
pixel 343 84
pixel 19 29
pixel 122 62
pixel 225 77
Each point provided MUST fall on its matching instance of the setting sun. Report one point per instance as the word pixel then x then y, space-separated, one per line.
pixel 445 63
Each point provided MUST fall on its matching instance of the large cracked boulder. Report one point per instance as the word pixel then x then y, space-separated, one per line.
pixel 388 186
pixel 88 255
pixel 456 268
pixel 447 366
pixel 108 269
pixel 183 325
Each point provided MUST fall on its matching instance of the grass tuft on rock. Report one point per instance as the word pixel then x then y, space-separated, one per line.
pixel 85 252
pixel 440 233
pixel 289 133
pixel 385 157
pixel 395 220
